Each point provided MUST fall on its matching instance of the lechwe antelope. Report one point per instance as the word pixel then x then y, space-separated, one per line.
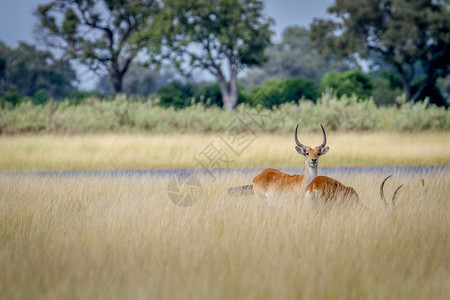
pixel 272 182
pixel 329 189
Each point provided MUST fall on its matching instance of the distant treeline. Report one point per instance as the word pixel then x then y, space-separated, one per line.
pixel 142 47
pixel 146 115
pixel 385 90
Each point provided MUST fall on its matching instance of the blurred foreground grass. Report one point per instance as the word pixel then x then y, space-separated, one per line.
pixel 122 238
pixel 137 151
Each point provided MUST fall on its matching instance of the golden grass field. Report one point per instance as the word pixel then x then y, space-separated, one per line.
pixel 115 151
pixel 105 237
pixel 122 238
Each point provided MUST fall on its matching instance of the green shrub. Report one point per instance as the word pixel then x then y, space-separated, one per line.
pixel 12 98
pixel 176 94
pixel 421 116
pixel 210 94
pixel 382 92
pixel 353 82
pixel 278 91
pixel 41 97
pixel 122 115
pixel 78 97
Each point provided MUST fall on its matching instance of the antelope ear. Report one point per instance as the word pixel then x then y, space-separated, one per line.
pixel 300 150
pixel 324 150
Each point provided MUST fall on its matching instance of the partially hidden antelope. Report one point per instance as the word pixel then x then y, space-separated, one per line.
pixel 271 182
pixel 394 195
pixel 329 189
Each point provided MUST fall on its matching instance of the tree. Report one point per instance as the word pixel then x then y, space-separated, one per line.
pixel 280 91
pixel 28 70
pixel 208 93
pixel 353 82
pixel 97 33
pixel 139 80
pixel 387 88
pixel 444 86
pixel 219 36
pixel 176 94
pixel 412 36
pixel 293 56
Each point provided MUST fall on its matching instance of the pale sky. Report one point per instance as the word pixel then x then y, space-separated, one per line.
pixel 17 20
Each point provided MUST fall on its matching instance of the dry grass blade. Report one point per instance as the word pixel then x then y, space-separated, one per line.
pixel 122 238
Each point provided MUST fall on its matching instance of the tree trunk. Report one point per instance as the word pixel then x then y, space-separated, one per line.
pixel 406 79
pixel 428 82
pixel 229 101
pixel 118 72
pixel 407 91
pixel 117 81
pixel 406 84
pixel 419 91
pixel 229 94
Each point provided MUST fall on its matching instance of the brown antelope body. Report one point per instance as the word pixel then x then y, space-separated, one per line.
pixel 329 189
pixel 271 182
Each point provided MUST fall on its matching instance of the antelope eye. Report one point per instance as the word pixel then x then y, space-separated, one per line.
pixel 307 154
pixel 318 154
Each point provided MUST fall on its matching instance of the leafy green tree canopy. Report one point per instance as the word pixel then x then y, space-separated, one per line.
pixel 412 36
pixel 293 56
pixel 219 36
pixel 27 70
pixel 97 33
pixel 353 82
pixel 176 94
pixel 277 91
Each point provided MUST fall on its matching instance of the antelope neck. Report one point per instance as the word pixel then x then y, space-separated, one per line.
pixel 310 173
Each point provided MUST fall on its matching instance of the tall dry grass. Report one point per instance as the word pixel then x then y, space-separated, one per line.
pixel 115 151
pixel 122 238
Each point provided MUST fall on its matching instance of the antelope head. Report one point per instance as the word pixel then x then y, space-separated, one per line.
pixel 311 154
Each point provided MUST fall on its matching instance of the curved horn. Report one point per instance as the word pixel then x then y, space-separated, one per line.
pixel 296 139
pixel 324 138
pixel 395 194
pixel 383 199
